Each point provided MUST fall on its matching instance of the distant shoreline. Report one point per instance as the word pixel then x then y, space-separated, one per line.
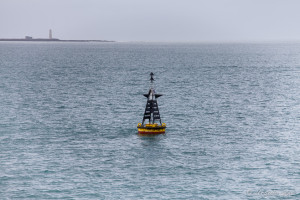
pixel 53 40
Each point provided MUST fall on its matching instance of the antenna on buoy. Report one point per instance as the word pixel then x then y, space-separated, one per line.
pixel 151 79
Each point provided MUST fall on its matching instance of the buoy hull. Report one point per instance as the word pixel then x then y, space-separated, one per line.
pixel 151 130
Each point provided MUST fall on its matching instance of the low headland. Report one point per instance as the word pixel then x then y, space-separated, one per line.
pixel 30 39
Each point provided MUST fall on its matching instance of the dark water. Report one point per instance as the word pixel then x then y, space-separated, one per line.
pixel 68 116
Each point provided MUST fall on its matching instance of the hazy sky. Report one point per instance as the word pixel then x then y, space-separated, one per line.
pixel 152 20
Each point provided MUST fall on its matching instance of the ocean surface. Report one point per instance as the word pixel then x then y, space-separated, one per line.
pixel 69 111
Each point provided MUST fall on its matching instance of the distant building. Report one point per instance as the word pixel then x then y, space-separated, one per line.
pixel 50 34
pixel 28 38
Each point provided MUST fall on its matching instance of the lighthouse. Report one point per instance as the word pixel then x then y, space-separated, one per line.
pixel 50 34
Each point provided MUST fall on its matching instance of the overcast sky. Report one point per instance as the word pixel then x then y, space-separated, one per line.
pixel 152 20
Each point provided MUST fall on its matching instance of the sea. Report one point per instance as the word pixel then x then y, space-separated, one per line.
pixel 69 115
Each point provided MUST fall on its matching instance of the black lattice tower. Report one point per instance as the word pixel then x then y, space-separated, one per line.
pixel 151 111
